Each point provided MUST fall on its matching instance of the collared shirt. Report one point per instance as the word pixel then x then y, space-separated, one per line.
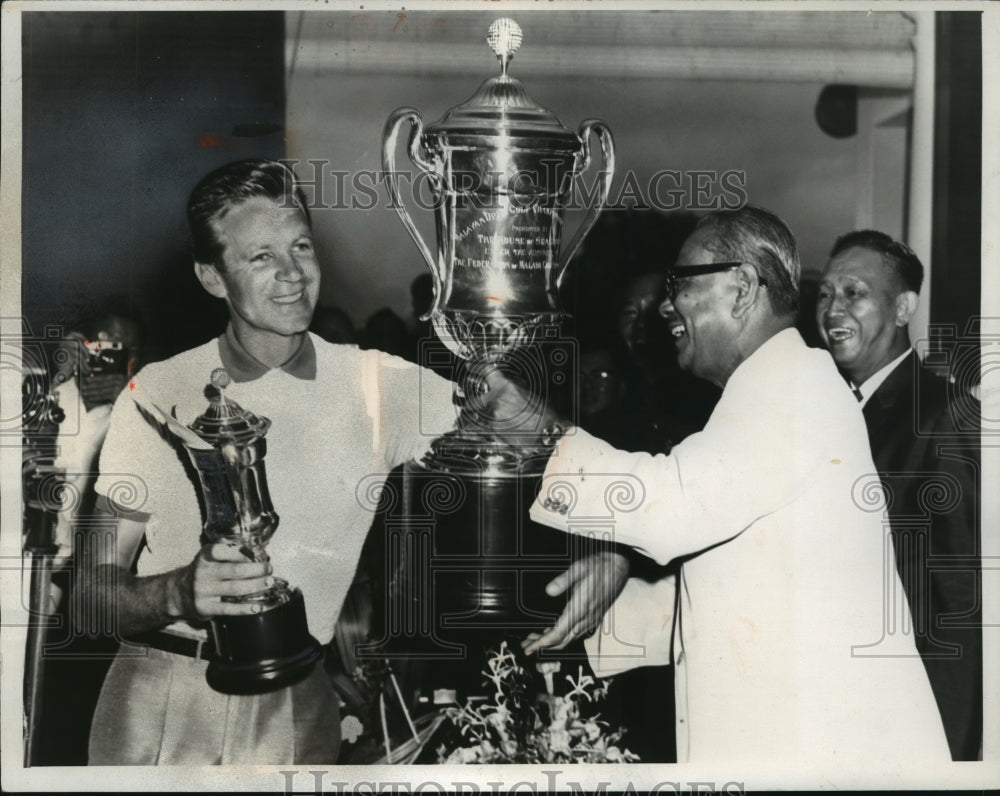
pixel 244 366
pixel 332 441
pixel 874 381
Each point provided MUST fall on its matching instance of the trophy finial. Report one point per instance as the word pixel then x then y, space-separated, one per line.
pixel 220 379
pixel 504 37
pixel 225 420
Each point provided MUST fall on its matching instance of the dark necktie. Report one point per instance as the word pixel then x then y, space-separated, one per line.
pixel 857 393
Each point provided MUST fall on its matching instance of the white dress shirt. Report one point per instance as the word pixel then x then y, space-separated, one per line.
pixel 874 381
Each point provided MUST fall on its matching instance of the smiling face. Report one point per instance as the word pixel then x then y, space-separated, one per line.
pixel 862 312
pixel 699 316
pixel 638 315
pixel 269 277
pixel 640 325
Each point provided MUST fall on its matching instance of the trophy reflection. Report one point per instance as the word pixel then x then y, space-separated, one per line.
pixel 226 446
pixel 502 169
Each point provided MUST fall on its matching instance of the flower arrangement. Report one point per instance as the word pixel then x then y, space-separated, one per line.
pixel 516 727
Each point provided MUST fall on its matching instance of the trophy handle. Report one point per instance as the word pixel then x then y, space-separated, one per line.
pixel 608 153
pixel 389 135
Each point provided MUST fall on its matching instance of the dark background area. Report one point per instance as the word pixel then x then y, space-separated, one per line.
pixel 123 113
pixel 958 138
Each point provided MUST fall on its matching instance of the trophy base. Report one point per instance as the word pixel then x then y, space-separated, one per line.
pixel 485 564
pixel 263 652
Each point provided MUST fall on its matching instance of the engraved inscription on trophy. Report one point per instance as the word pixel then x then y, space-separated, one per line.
pixel 494 243
pixel 502 169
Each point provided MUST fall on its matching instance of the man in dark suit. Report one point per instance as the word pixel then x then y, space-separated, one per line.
pixel 925 444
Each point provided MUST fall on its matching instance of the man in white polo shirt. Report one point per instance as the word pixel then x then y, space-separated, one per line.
pixel 337 415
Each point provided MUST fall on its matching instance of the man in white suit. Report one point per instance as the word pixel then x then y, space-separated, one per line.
pixel 776 624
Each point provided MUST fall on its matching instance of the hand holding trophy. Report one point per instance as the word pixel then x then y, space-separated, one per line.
pixel 271 648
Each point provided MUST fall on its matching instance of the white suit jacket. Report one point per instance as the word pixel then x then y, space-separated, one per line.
pixel 788 630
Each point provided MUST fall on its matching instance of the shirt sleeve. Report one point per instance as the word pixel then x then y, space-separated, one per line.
pixel 757 453
pixel 132 455
pixel 637 630
pixel 412 406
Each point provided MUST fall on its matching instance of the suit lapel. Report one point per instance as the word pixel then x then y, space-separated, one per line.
pixel 889 399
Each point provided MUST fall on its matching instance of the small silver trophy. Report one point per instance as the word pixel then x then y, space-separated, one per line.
pixel 226 447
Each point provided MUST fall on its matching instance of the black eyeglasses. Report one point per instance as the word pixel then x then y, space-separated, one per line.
pixel 675 274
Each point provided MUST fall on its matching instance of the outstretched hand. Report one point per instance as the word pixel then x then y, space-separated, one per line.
pixel 594 583
pixel 509 410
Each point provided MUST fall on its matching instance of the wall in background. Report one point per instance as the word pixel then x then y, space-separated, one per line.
pixel 765 131
pixel 958 144
pixel 336 112
pixel 123 113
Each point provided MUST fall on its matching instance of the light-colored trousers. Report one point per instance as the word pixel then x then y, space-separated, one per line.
pixel 157 709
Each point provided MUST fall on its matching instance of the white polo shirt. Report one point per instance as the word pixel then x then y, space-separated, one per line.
pixel 333 440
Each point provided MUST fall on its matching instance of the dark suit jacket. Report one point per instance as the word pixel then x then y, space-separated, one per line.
pixel 926 448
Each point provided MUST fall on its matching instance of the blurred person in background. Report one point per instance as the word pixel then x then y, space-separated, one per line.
pixel 96 362
pixel 386 331
pixel 663 403
pixel 93 365
pixel 333 325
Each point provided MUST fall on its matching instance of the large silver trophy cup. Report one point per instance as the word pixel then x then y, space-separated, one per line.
pixel 272 648
pixel 502 170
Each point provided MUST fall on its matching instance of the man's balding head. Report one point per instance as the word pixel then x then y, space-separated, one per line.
pixel 733 287
pixel 758 237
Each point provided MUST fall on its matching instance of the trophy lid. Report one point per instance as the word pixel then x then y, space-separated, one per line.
pixel 226 420
pixel 501 107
